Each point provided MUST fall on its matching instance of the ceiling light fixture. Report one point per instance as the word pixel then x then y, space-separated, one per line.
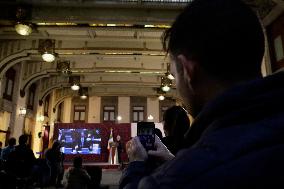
pixel 75 87
pixel 161 94
pixel 22 27
pixel 83 92
pixel 161 97
pixel 75 82
pixel 63 67
pixel 47 49
pixel 166 84
pixel 168 73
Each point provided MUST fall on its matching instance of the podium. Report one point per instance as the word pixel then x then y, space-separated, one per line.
pixel 113 155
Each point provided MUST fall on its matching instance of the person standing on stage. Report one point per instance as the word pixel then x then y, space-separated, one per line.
pixel 119 147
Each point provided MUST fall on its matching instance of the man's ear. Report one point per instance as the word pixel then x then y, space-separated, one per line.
pixel 189 67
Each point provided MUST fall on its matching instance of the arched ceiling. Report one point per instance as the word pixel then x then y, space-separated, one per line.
pixel 115 46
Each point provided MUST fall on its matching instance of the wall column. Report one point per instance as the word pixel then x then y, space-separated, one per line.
pixel 67 110
pixel 153 109
pixel 37 142
pixel 52 115
pixel 124 109
pixel 94 109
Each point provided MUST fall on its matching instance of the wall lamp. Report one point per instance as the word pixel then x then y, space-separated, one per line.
pixel 22 112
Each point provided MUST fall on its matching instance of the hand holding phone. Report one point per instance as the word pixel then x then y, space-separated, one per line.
pixel 146 134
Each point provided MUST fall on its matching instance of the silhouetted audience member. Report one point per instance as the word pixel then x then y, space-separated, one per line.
pixel 20 162
pixel 76 177
pixel 159 133
pixel 176 124
pixel 8 149
pixel 95 175
pixel 216 49
pixel 55 159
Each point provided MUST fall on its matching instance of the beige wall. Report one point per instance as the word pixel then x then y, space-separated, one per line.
pixel 37 142
pixel 153 109
pixel 124 109
pixel 94 109
pixel 67 110
pixel 4 124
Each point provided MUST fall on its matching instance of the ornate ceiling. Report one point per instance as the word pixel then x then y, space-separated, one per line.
pixel 114 46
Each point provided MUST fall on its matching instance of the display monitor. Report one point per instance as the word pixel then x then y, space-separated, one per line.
pixel 80 141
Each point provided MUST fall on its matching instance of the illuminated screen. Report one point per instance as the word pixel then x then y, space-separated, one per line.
pixel 80 141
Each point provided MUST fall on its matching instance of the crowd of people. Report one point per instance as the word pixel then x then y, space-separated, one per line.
pixel 20 169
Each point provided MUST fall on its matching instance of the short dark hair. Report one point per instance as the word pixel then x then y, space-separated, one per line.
pixel 12 141
pixel 224 36
pixel 23 139
pixel 77 162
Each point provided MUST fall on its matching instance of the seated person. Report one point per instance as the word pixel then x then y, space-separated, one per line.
pixel 76 177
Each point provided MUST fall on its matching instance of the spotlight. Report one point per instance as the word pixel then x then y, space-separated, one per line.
pixel 23 28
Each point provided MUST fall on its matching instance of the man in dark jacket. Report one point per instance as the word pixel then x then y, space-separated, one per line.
pixel 236 139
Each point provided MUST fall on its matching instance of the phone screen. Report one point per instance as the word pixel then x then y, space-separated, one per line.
pixel 146 134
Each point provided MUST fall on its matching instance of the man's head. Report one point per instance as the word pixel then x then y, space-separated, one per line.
pixel 23 139
pixel 56 145
pixel 214 40
pixel 118 137
pixel 77 162
pixel 12 141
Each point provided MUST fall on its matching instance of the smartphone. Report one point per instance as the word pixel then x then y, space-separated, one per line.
pixel 146 134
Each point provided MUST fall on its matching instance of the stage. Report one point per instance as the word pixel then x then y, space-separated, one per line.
pixel 103 165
